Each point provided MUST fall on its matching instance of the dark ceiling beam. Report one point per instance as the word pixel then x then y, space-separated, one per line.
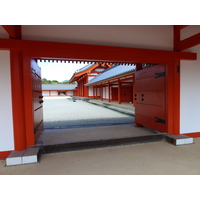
pixel 179 27
pixel 14 31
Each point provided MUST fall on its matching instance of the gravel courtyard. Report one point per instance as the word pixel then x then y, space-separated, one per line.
pixel 62 112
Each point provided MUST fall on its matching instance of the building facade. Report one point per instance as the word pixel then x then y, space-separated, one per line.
pixel 174 49
pixel 59 89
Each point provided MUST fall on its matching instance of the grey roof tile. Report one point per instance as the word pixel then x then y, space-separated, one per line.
pixel 58 86
pixel 111 72
pixel 84 68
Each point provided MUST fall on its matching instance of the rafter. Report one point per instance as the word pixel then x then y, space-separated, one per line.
pixel 14 31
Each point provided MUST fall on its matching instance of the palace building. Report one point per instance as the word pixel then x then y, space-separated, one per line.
pixel 155 67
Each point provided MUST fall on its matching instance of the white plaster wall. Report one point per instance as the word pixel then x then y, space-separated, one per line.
pixel 6 117
pixel 190 94
pixel 53 93
pixel 70 93
pixel 90 91
pixel 138 36
pixel 3 33
pixel 98 92
pixel 45 93
pixel 105 92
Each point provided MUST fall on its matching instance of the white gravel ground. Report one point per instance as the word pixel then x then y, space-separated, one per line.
pixel 61 112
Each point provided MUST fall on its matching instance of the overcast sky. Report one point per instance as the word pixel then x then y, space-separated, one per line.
pixel 58 71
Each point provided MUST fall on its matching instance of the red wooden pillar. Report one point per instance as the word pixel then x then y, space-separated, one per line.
pixel 101 92
pixel 119 92
pixel 81 88
pixel 173 97
pixel 93 92
pixel 86 88
pixel 18 100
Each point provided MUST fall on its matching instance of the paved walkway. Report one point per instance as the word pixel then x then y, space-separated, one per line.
pixel 151 158
pixel 61 112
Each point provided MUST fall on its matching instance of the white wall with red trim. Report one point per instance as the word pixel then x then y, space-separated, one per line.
pixel 6 116
pixel 90 91
pixel 190 94
pixel 70 93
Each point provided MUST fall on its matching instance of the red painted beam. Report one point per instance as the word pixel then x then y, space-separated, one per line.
pixel 93 52
pixel 14 31
pixel 189 42
pixel 177 36
pixel 179 27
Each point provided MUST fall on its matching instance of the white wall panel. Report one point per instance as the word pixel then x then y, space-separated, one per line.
pixel 105 92
pixel 138 36
pixel 6 117
pixel 190 94
pixel 53 93
pixel 45 93
pixel 70 93
pixel 90 91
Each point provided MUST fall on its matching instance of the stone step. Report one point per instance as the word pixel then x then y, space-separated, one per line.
pixel 91 144
pixel 27 156
pixel 179 139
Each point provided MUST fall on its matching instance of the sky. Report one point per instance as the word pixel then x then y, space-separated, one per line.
pixel 59 71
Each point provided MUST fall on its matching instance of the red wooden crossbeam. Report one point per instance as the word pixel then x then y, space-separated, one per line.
pixel 14 31
pixel 180 45
pixel 92 52
pixel 189 42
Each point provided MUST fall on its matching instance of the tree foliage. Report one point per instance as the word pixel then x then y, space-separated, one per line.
pixel 45 81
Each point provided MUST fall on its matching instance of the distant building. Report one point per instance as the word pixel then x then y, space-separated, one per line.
pixel 114 84
pixel 59 89
pixel 84 75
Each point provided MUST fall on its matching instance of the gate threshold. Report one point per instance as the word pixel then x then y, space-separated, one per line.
pixel 92 144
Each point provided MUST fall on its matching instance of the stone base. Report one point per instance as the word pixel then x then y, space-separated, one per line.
pixel 27 156
pixel 179 139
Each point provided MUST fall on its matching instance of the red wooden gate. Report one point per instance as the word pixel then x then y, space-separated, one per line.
pixel 150 109
pixel 37 99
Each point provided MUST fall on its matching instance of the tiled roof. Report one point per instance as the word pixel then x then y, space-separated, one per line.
pixel 58 86
pixel 111 72
pixel 84 68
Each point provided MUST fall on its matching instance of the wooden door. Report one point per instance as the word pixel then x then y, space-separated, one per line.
pixel 37 99
pixel 126 93
pixel 150 109
pixel 114 94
